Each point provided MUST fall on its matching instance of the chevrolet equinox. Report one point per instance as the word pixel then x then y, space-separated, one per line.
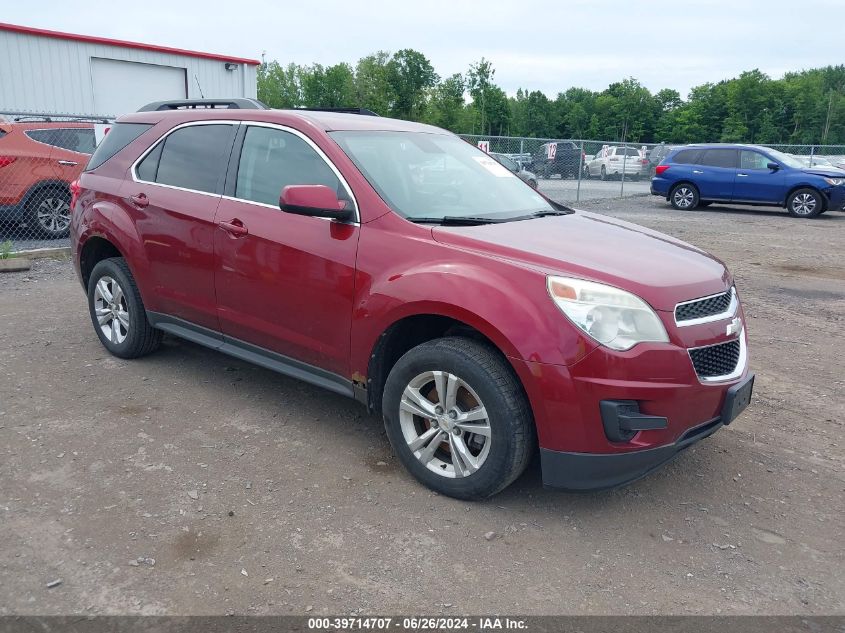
pixel 394 263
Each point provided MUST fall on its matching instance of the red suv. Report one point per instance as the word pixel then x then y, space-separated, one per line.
pixel 396 264
pixel 38 161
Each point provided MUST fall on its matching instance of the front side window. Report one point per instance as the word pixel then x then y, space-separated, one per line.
pixel 421 175
pixel 719 158
pixel 192 157
pixel 272 159
pixel 753 160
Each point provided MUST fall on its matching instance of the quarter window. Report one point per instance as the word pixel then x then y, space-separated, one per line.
pixel 79 140
pixel 192 157
pixel 272 159
pixel 719 158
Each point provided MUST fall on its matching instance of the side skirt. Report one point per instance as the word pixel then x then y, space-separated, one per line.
pixel 254 354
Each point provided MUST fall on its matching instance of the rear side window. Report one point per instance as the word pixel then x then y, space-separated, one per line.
pixel 118 137
pixel 74 139
pixel 686 157
pixel 719 158
pixel 627 151
pixel 271 159
pixel 192 157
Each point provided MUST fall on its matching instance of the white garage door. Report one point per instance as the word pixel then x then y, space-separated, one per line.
pixel 121 87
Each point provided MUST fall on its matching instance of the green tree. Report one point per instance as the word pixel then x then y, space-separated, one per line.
pixel 410 74
pixel 372 85
pixel 278 86
pixel 446 103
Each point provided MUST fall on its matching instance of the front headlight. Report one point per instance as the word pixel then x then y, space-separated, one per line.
pixel 834 181
pixel 611 316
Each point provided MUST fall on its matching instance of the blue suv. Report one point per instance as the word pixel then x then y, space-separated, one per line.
pixel 696 175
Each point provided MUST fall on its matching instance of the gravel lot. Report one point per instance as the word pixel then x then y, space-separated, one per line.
pixel 191 483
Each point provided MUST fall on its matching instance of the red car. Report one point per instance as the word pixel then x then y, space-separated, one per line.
pixel 396 264
pixel 38 161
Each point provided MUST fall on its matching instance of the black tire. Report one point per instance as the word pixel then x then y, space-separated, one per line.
pixel 512 433
pixel 48 213
pixel 603 173
pixel 805 203
pixel 140 337
pixel 684 196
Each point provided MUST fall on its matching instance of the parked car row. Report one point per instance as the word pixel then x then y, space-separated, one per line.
pixel 698 175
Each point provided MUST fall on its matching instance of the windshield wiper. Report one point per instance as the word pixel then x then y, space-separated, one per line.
pixel 543 214
pixel 457 220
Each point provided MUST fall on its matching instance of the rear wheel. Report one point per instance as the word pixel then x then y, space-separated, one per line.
pixel 49 213
pixel 117 312
pixel 457 418
pixel 805 203
pixel 603 173
pixel 684 197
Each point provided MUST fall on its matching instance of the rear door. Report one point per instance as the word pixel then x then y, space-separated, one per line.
pixel 755 182
pixel 175 189
pixel 715 173
pixel 72 147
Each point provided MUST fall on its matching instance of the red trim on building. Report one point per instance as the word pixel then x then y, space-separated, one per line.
pixel 27 30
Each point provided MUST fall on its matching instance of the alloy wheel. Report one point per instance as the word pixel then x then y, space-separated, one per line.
pixel 804 204
pixel 683 197
pixel 53 215
pixel 445 424
pixel 111 309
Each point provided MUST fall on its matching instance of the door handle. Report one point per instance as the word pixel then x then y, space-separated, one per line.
pixel 742 175
pixel 234 227
pixel 140 200
pixel 70 163
pixel 697 171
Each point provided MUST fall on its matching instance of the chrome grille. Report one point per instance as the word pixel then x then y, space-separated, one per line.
pixel 703 308
pixel 716 360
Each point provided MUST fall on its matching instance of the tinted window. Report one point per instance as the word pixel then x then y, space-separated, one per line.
pixel 118 137
pixel 627 151
pixel 719 158
pixel 148 168
pixel 753 160
pixel 686 157
pixel 75 139
pixel 271 159
pixel 194 157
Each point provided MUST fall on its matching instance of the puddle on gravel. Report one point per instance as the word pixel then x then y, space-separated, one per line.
pixel 810 271
pixel 813 295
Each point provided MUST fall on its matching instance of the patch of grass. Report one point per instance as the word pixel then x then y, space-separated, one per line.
pixel 6 249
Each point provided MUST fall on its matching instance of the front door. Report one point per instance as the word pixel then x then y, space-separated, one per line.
pixel 284 282
pixel 755 182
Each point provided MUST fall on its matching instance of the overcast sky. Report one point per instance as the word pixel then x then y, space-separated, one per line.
pixel 549 46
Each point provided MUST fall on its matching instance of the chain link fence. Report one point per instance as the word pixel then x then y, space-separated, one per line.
pixel 40 156
pixel 571 170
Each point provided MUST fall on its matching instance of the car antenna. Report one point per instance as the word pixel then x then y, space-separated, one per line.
pixel 202 96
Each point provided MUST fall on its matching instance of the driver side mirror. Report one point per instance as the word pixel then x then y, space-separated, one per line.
pixel 773 166
pixel 317 201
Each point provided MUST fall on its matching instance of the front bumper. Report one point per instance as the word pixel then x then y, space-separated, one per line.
pixel 596 471
pixel 835 198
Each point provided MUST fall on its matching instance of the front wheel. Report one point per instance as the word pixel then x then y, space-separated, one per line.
pixel 805 203
pixel 117 312
pixel 458 418
pixel 684 197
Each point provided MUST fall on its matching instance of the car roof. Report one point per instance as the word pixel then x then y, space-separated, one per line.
pixel 721 146
pixel 326 121
pixel 41 125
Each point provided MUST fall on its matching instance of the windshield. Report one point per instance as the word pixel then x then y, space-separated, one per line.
pixel 785 159
pixel 434 176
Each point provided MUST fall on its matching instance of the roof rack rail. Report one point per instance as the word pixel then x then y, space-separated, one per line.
pixel 205 104
pixel 362 111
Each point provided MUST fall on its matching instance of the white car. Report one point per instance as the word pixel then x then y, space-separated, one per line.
pixel 611 161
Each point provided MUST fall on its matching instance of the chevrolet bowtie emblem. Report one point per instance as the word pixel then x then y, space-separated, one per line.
pixel 734 326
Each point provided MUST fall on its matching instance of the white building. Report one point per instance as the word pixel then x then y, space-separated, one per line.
pixel 61 73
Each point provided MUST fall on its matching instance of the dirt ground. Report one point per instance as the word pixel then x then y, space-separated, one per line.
pixel 191 483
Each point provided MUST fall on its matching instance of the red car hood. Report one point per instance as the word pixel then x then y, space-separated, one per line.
pixel 656 267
